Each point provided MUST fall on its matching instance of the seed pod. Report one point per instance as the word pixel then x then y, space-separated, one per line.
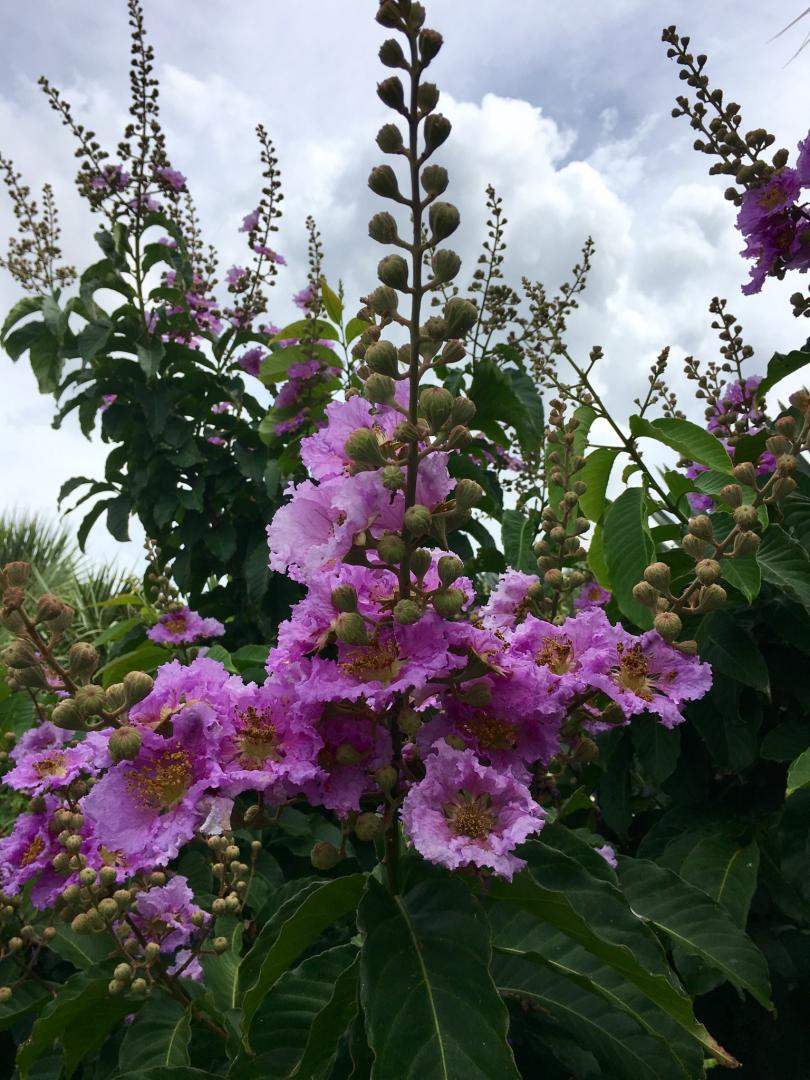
pixel 17 573
pixel 391 548
pixel 389 139
pixel 443 217
pixel 434 179
pixel 49 607
pixel 436 131
pixel 393 271
pixel 324 856
pixel 417 519
pixel 344 598
pixel 461 316
pixel 124 744
pixel 668 625
pixel 391 54
pixel 383 228
pixel 430 41
pixel 368 827
pixel 436 405
pixel 382 358
pixel 448 602
pixel 350 628
pixel 427 97
pixel 746 517
pixel 406 612
pixel 363 448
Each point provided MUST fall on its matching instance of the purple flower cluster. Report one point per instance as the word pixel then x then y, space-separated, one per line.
pixel 183 626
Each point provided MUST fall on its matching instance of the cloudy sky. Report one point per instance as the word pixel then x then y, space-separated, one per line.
pixel 565 108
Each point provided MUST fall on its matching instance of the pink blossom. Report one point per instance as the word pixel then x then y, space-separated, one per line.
pixel 183 626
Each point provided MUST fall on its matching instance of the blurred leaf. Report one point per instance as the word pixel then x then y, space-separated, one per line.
pixel 799 773
pixel 518 531
pixel 725 644
pixel 147 657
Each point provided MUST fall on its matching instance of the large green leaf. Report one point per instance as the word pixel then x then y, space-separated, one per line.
pixel 725 644
pixel 330 1024
pixel 595 473
pixel 690 440
pixel 27 996
pixel 784 562
pixel 724 870
pixel 27 306
pixel 430 1005
pixel 276 948
pixel 147 657
pixel 780 366
pixel 518 532
pixel 694 922
pixel 158 1036
pixel 222 971
pixel 629 549
pixel 657 747
pixel 81 950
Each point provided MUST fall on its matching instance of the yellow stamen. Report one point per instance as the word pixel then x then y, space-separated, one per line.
pixel 33 851
pixel 52 765
pixel 258 739
pixel 470 817
pixel 557 654
pixel 162 783
pixel 374 663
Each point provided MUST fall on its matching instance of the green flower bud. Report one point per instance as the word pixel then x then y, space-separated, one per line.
pixel 731 494
pixel 386 777
pixel 437 130
pixel 115 697
pixel 450 568
pixel 344 598
pixel 49 607
pixel 137 684
pixel 220 945
pixel 427 97
pixel 406 432
pixel 350 628
pixel 443 217
pixel 368 826
pixel 659 575
pixel 389 14
pixel 115 986
pixel 435 404
pixel 383 181
pixel 379 389
pixel 33 677
pixel 389 139
pixel 406 612
pixel 417 520
pixel 694 546
pixel 430 41
pixel 712 597
pixel 87 876
pixel 384 300
pixel 391 93
pixel 745 543
pixel 393 478
pixel 382 358
pixel 421 560
pixel 393 271
pixel 701 527
pixel 463 411
pixel 139 986
pixel 448 602
pixel 645 594
pixel 432 331
pixel 461 316
pixel 554 578
pixel 434 179
pixel 83 659
pixel 81 924
pixel 89 700
pixel 391 548
pixel 707 571
pixel 66 715
pixel 668 625
pixel 391 54
pixel 746 517
pixel 446 264
pixel 458 438
pixel 409 722
pixel 383 228
pixel 108 907
pixel 468 494
pixel 107 876
pixel 363 448
pixel 324 856
pixel 17 573
pixel 151 951
pixel 783 486
pixel 124 744
pixel 746 473
pixel 18 654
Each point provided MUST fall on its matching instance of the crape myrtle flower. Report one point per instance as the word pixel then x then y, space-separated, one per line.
pixel 592 595
pixel 509 601
pixel 250 221
pixel 304 299
pixel 251 361
pixel 28 849
pixel 466 814
pixel 171 178
pixel 183 626
pixel 163 913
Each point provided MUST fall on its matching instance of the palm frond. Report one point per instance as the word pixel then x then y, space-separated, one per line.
pixel 789 26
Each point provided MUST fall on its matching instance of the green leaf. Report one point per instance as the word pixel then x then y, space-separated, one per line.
pixel 27 306
pixel 222 971
pixel 354 328
pixel 84 995
pixel 596 474
pixel 724 870
pixel 158 1036
pixel 26 997
pixel 89 520
pixel 146 657
pixel 276 948
pixel 172 1072
pixel 657 747
pixel 596 557
pixel 21 340
pixel 696 924
pixel 799 773
pixel 690 440
pixel 330 1023
pixel 726 645
pixel 307 330
pixel 744 574
pixel 93 338
pixel 517 532
pixel 780 366
pixel 785 563
pixel 118 517
pixel 150 358
pixel 428 951
pixel 331 303
pixel 82 950
pixel 629 549
pixel 46 363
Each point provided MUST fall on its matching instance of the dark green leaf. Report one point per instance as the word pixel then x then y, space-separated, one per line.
pixel 724 870
pixel 629 549
pixel 690 440
pixel 150 358
pixel 780 366
pixel 93 338
pixel 118 517
pixel 657 747
pixel 518 532
pixel 724 644
pixel 147 657
pixel 784 562
pixel 46 363
pixel 331 303
pixel 27 306
pixel 330 1023
pixel 799 773
pixel 596 474
pixel 157 1037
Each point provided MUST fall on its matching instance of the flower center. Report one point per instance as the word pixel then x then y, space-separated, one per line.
pixel 470 816
pixel 374 663
pixel 175 625
pixel 557 654
pixel 52 765
pixel 161 784
pixel 490 733
pixel 258 738
pixel 769 200
pixel 33 851
pixel 633 672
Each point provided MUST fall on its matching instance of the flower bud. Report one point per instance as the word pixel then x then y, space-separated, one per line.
pixel 786 464
pixel 383 181
pixel 220 945
pixel 436 131
pixel 324 856
pixel 463 411
pixel 778 445
pixel 350 628
pixel 436 405
pixel 712 597
pixel 444 218
pixel 107 876
pixel 417 520
pixel 393 271
pixel 362 446
pixel 707 571
pixel 33 677
pixel 659 575
pixel 420 562
pixel 783 486
pixel 80 924
pixel 406 432
pixel 124 744
pixel 668 625
pixel 140 986
pixel 745 543
pixel 393 478
pixel 386 777
pixel 391 54
pixel 61 621
pixel 461 316
pixel 18 654
pixel 645 594
pixel 83 660
pixel 16 573
pixel 391 548
pixel 746 517
pixel 446 264
pixel 731 495
pixel 406 612
pixel 384 300
pixel 457 438
pixel 89 700
pixel 344 598
pixel 151 951
pixel 746 473
pixel 448 602
pixel 389 139
pixel 432 331
pixel 137 685
pixel 786 426
pixel 382 358
pixel 434 179
pixel 701 527
pixel 379 389
pixel 450 568
pixel 108 907
pixel 368 827
pixel 391 93
pixel 468 494
pixel 693 546
pixel 389 14
pixel 427 97
pixel 116 986
pixel 452 352
pixel 430 41
pixel 49 607
pixel 383 228
pixel 115 697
